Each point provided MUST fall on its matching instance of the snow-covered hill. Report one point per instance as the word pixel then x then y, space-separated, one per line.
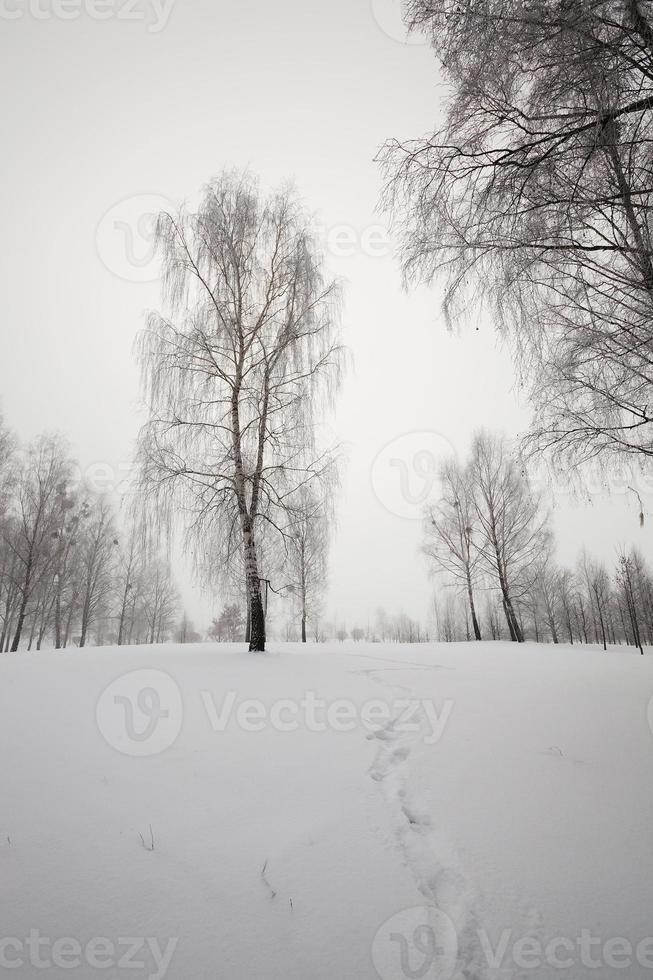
pixel 341 811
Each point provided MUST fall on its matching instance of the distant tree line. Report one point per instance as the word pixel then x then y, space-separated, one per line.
pixel 385 627
pixel 489 541
pixel 71 571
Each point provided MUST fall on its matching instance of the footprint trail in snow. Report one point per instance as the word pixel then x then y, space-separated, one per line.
pixel 430 858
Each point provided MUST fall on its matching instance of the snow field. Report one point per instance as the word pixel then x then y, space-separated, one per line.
pixel 349 810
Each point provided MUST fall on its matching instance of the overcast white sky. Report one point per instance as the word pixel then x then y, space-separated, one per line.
pixel 105 119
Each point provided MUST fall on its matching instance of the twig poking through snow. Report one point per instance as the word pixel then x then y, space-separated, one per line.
pixel 150 846
pixel 273 894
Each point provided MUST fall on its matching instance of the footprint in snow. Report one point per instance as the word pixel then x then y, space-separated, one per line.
pixel 384 735
pixel 556 753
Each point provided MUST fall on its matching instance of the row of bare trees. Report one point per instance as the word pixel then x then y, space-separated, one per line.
pixel 488 538
pixel 69 574
pixel 488 526
pixel 590 603
pixel 391 628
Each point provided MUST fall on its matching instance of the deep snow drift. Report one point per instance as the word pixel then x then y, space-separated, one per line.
pixel 338 812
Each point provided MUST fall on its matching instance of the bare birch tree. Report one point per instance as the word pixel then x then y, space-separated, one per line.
pixel 128 579
pixel 550 589
pixel 66 578
pixel 96 556
pixel 512 524
pixel 160 601
pixel 567 584
pixel 40 494
pixel 307 545
pixel 234 374
pixel 451 530
pixel 8 530
pixel 627 585
pixel 597 588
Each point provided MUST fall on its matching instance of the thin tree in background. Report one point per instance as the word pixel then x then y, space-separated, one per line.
pixel 512 525
pixel 128 579
pixel 186 632
pixel 8 530
pixel 626 583
pixel 160 601
pixel 230 625
pixel 566 580
pixel 234 374
pixel 307 545
pixel 546 591
pixel 597 586
pixel 96 560
pixel 66 578
pixel 644 585
pixel 41 491
pixel 451 527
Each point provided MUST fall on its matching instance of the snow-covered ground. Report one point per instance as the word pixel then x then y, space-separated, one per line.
pixel 339 812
